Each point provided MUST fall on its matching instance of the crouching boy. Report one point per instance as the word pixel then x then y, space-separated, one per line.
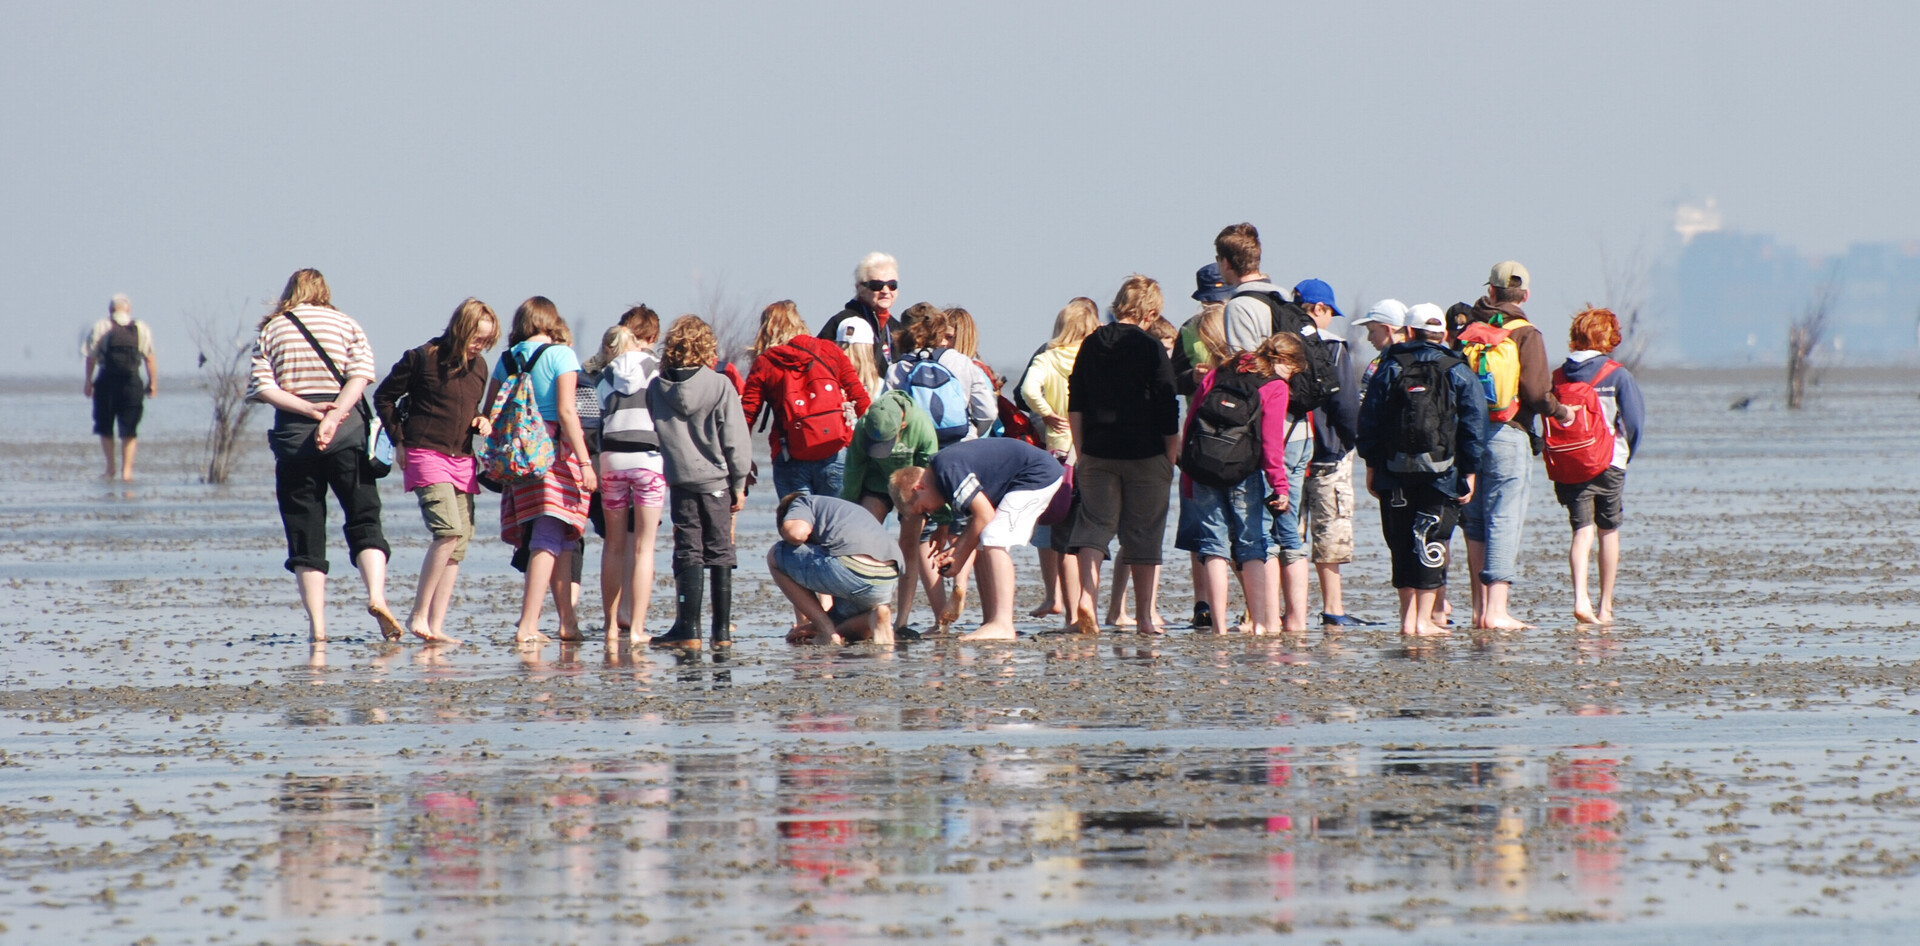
pixel 997 486
pixel 829 546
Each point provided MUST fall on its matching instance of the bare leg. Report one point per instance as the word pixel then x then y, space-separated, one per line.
pixel 636 594
pixel 1422 606
pixel 1332 601
pixel 1498 618
pixel 1146 603
pixel 1117 615
pixel 957 602
pixel 1200 593
pixel 1477 561
pixel 1293 593
pixel 313 598
pixel 1578 552
pixel 874 627
pixel 816 627
pixel 373 572
pixel 1271 623
pixel 106 447
pixel 1441 607
pixel 1258 583
pixel 565 594
pixel 1212 587
pixel 442 602
pixel 128 448
pixel 1609 570
pixel 614 568
pixel 433 569
pixel 1087 603
pixel 1050 575
pixel 1070 587
pixel 996 597
pixel 540 571
pixel 1409 616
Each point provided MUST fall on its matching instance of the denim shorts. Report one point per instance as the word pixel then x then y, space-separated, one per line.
pixel 825 574
pixel 818 477
pixel 1286 525
pixel 1227 522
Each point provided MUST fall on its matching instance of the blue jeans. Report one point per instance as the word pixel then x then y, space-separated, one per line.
pixel 1217 522
pixel 1286 525
pixel 819 477
pixel 825 574
pixel 1499 506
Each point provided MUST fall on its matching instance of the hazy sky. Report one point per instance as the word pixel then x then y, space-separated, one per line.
pixel 1011 155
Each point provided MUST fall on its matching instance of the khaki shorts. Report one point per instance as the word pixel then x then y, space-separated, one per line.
pixel 1329 508
pixel 449 514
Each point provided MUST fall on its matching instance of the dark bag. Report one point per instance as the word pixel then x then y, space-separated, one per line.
pixel 362 428
pixel 1421 414
pixel 123 351
pixel 292 435
pixel 1312 388
pixel 1223 448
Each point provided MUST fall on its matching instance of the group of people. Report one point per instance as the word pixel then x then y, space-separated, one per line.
pixel 886 413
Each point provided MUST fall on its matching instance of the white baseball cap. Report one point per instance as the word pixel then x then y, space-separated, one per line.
pixel 1391 313
pixel 1427 317
pixel 854 331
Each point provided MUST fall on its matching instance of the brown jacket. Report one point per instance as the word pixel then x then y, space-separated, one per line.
pixel 442 400
pixel 1536 375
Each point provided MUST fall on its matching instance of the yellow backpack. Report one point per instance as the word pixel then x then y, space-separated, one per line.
pixel 1495 358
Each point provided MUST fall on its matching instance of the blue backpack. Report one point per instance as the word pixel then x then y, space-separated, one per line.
pixel 939 392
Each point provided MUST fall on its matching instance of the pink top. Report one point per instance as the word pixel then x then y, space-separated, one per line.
pixel 1273 430
pixel 426 467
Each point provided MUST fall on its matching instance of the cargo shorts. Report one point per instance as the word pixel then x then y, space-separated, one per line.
pixel 1329 503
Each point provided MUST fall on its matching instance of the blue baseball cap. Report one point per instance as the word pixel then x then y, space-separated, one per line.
pixel 1212 287
pixel 1311 291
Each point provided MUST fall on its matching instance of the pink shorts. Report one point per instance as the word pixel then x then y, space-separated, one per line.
pixel 641 487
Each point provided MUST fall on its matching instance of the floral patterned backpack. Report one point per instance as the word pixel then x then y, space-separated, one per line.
pixel 518 449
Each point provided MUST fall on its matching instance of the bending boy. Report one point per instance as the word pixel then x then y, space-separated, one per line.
pixel 999 488
pixel 829 546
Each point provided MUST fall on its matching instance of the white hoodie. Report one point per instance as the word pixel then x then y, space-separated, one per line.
pixel 624 418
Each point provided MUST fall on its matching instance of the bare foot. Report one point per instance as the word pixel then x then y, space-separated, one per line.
pixel 530 637
pixel 389 627
pixel 805 634
pixel 1429 629
pixel 636 635
pixel 1604 618
pixel 571 635
pixel 1583 614
pixel 1505 624
pixel 991 632
pixel 1084 624
pixel 1046 609
pixel 1156 629
pixel 951 615
pixel 882 626
pixel 1120 620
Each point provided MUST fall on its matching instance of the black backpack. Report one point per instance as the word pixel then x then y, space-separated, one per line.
pixel 1224 447
pixel 123 356
pixel 1421 413
pixel 1308 390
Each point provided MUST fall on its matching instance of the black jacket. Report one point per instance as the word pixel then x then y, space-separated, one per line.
pixel 1336 422
pixel 882 339
pixel 1122 386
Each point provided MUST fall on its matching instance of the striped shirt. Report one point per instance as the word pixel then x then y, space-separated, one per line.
pixel 283 359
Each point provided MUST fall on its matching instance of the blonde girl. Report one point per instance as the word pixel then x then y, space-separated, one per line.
pixel 633 481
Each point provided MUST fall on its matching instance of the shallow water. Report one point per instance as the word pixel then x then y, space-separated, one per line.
pixel 1729 765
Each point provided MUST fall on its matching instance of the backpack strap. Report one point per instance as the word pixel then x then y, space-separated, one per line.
pixel 1605 370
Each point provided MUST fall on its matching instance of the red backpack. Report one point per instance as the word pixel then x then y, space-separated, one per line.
pixel 1582 448
pixel 814 411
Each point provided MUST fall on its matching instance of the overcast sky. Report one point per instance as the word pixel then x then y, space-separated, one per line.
pixel 1012 156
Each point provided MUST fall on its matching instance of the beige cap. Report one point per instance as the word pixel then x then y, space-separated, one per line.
pixel 1509 275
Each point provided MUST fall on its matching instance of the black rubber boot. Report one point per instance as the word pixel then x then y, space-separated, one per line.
pixel 722 606
pixel 686 620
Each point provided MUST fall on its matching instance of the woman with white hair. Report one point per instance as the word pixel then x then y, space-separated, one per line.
pixel 876 285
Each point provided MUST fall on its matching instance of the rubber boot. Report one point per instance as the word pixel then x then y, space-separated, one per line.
pixel 722 606
pixel 686 620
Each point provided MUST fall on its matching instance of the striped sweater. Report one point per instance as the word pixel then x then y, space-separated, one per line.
pixel 283 359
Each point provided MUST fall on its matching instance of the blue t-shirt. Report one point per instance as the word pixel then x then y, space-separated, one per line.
pixel 842 528
pixel 559 360
pixel 993 467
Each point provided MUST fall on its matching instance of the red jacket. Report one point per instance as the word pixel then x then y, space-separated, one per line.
pixel 772 367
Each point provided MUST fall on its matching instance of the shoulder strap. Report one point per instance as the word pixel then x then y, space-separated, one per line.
pixel 339 377
pixel 522 368
pixel 1605 370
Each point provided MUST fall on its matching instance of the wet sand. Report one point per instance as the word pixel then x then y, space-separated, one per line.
pixel 1730 764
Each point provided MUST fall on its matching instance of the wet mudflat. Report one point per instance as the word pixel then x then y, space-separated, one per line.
pixel 1731 764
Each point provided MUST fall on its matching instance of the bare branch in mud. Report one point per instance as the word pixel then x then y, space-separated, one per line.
pixel 226 353
pixel 1625 280
pixel 1804 335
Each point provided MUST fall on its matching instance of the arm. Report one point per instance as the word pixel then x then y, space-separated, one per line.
pixel 754 395
pixel 737 445
pixel 982 408
pixel 795 531
pixel 1165 402
pixel 86 386
pixel 1536 378
pixel 1343 414
pixel 153 376
pixel 569 420
pixel 335 412
pixel 386 399
pixel 1633 411
pixel 853 479
pixel 957 557
pixel 1274 397
pixel 1470 431
pixel 850 383
pixel 1033 389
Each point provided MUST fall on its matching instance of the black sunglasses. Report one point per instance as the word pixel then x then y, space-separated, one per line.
pixel 875 285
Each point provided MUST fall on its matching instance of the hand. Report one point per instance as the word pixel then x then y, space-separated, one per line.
pixel 399 458
pixel 1568 413
pixel 153 390
pixel 483 426
pixel 1057 424
pixel 739 500
pixel 329 425
pixel 1278 502
pixel 1371 491
pixel 320 411
pixel 1467 496
pixel 86 387
pixel 588 481
pixel 753 473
